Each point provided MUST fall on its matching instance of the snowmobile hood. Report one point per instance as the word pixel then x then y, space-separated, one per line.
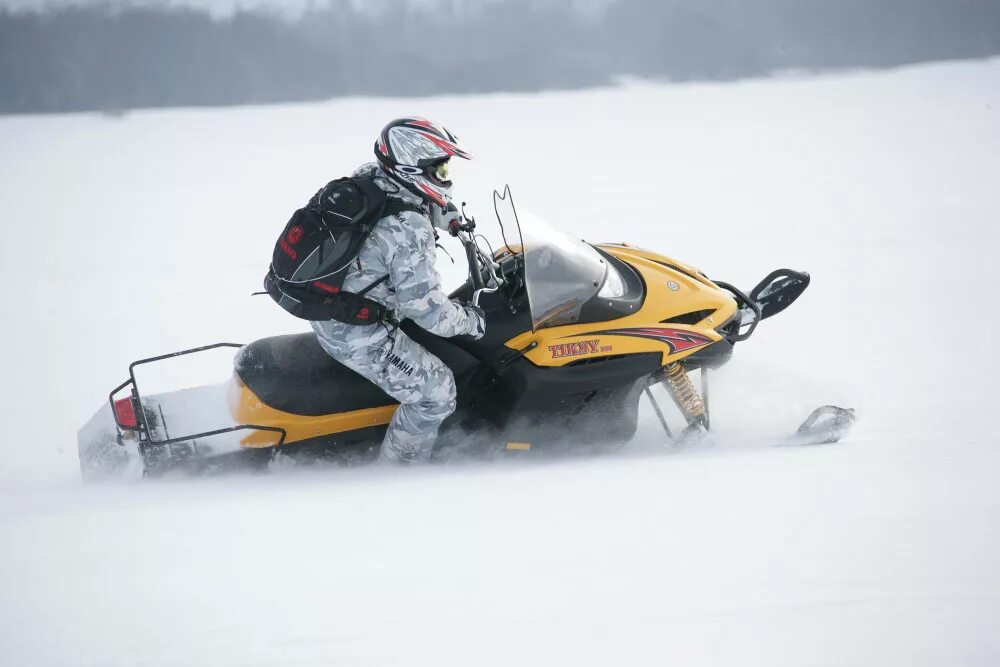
pixel 679 312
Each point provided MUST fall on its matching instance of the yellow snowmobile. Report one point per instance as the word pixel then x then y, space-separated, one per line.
pixel 576 335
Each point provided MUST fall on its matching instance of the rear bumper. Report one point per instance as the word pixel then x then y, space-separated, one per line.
pixel 103 455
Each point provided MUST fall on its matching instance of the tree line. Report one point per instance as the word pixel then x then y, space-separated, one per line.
pixel 114 58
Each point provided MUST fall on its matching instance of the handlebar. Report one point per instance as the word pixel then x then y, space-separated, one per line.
pixel 473 255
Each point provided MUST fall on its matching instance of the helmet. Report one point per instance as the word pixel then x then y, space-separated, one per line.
pixel 415 152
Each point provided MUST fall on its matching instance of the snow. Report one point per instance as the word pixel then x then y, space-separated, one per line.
pixel 129 237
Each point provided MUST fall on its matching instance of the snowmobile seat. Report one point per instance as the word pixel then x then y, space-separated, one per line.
pixel 294 374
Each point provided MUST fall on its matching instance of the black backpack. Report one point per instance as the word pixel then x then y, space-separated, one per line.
pixel 312 256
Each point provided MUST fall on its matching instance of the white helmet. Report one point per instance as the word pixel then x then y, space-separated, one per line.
pixel 416 152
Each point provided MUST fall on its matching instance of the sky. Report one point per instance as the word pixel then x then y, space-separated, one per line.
pixel 227 7
pixel 217 7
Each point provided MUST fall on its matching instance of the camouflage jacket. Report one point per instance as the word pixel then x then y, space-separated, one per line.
pixel 402 246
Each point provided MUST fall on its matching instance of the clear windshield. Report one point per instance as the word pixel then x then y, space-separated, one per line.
pixel 561 273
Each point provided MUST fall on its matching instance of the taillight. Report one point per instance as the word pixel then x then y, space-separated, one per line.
pixel 125 413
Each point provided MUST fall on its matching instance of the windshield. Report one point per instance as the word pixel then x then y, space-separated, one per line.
pixel 561 273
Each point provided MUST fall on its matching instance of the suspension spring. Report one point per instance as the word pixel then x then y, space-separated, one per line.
pixel 686 397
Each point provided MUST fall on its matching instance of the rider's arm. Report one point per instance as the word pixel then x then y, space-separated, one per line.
pixel 417 284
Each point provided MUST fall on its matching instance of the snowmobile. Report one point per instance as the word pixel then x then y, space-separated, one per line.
pixel 576 336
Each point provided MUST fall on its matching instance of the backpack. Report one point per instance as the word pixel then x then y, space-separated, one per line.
pixel 313 253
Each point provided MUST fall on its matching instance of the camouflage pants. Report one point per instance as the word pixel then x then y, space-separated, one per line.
pixel 423 385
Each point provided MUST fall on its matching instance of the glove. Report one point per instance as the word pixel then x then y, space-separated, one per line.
pixel 446 219
pixel 478 317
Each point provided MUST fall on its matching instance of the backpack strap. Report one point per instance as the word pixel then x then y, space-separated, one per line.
pixel 378 204
pixel 373 285
pixel 391 206
pixel 388 206
pixel 394 206
pixel 375 202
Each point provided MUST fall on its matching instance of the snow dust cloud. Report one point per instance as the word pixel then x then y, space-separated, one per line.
pixel 157 226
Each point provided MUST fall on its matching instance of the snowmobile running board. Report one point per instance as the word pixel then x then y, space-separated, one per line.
pixel 825 425
pixel 139 424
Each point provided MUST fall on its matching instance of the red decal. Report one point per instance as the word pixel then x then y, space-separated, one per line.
pixel 326 288
pixel 433 195
pixel 295 234
pixel 576 349
pixel 287 249
pixel 446 146
pixel 679 340
pixel 364 314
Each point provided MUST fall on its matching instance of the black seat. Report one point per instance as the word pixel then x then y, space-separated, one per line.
pixel 293 374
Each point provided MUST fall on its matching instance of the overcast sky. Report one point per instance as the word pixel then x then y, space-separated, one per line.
pixel 226 7
pixel 218 7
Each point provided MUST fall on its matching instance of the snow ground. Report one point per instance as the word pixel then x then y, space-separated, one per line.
pixel 880 550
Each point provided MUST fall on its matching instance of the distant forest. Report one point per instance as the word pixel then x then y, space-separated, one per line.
pixel 118 58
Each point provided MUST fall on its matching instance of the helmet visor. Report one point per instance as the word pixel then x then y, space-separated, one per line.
pixel 440 172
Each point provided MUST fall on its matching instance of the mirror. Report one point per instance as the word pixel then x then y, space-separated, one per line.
pixel 778 290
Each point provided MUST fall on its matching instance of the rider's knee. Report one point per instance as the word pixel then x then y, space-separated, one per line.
pixel 440 397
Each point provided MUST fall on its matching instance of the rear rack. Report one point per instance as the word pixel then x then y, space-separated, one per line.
pixel 144 432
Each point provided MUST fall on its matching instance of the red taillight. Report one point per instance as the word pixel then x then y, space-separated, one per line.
pixel 125 413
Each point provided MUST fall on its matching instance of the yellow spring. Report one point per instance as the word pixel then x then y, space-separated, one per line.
pixel 682 389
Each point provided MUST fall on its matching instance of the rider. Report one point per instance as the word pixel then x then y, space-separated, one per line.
pixel 413 162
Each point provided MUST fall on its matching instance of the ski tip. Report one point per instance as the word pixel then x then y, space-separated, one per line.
pixel 827 424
